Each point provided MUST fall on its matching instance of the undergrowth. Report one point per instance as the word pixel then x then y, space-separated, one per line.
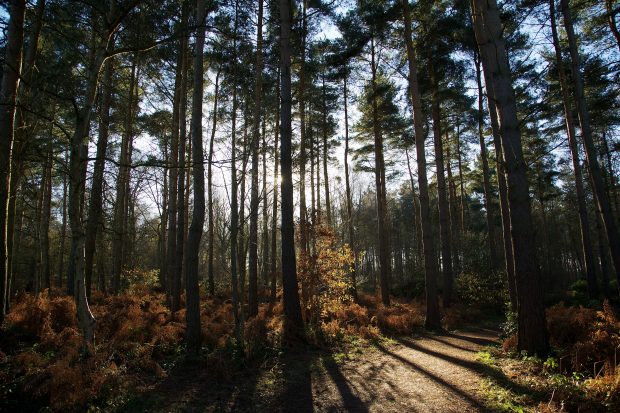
pixel 581 375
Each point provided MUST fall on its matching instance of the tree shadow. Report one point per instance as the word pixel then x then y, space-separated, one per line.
pixel 481 341
pixel 197 386
pixel 441 340
pixel 351 402
pixel 477 367
pixel 296 366
pixel 447 385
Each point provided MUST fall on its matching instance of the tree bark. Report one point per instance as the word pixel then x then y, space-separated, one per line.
pixel 303 209
pixel 182 205
pixel 587 252
pixel 8 95
pixel 234 208
pixel 504 208
pixel 486 180
pixel 198 216
pixel 254 201
pixel 210 229
pixel 532 330
pixel 46 205
pixel 347 181
pixel 174 172
pixel 264 210
pixel 442 192
pixel 119 251
pixel 63 233
pixel 328 206
pixel 95 208
pixel 382 236
pixel 274 217
pixel 292 308
pixel 432 320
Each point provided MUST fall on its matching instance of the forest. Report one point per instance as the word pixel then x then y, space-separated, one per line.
pixel 310 206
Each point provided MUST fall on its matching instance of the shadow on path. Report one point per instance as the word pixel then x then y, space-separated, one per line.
pixel 449 386
pixel 351 402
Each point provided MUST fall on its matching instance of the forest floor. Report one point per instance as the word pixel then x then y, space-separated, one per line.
pixel 429 373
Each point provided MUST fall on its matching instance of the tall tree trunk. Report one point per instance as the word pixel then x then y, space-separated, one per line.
pixel 198 216
pixel 120 208
pixel 416 210
pixel 328 206
pixel 347 181
pixel 241 251
pixel 264 210
pixel 292 308
pixel 46 205
pixel 210 230
pixel 587 252
pixel 442 192
pixel 532 330
pixel 274 217
pixel 600 192
pixel 254 201
pixel 504 207
pixel 174 170
pixel 20 140
pixel 452 204
pixel 382 236
pixel 8 95
pixel 177 281
pixel 163 238
pixel 303 209
pixel 63 233
pixel 234 207
pixel 432 320
pixel 95 208
pixel 486 180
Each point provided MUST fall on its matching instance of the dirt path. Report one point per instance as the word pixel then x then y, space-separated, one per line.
pixel 429 374
pixel 432 373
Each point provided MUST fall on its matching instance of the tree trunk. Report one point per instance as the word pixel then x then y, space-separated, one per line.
pixel 416 210
pixel 210 230
pixel 442 192
pixel 46 205
pixel 120 208
pixel 241 251
pixel 486 180
pixel 347 181
pixel 587 252
pixel 95 208
pixel 198 216
pixel 382 236
pixel 432 320
pixel 532 324
pixel 292 309
pixel 504 208
pixel 274 217
pixel 174 171
pixel 234 208
pixel 8 95
pixel 600 192
pixel 177 280
pixel 254 201
pixel 265 216
pixel 328 206
pixel 63 233
pixel 303 209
